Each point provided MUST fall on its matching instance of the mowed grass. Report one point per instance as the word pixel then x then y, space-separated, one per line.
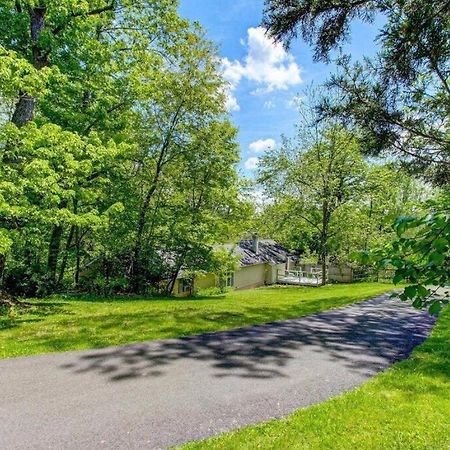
pixel 407 407
pixel 59 324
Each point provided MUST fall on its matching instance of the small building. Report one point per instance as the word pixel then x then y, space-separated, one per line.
pixel 260 262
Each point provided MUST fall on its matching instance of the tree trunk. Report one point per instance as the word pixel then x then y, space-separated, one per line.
pixel 136 259
pixel 368 230
pixel 66 255
pixel 136 265
pixel 107 270
pixel 324 241
pixel 173 279
pixel 53 254
pixel 24 111
pixel 171 283
pixel 2 268
pixel 25 106
pixel 54 249
pixel 77 256
pixel 324 268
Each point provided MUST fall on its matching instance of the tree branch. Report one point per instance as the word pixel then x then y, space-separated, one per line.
pixel 73 15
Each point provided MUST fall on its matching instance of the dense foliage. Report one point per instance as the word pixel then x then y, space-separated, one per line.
pixel 400 99
pixel 398 103
pixel 421 255
pixel 327 200
pixel 118 162
pixel 312 184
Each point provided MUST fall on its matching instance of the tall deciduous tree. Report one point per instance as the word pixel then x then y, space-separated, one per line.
pixel 366 222
pixel 118 141
pixel 315 182
pixel 400 101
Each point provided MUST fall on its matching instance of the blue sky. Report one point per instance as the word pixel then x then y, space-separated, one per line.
pixel 264 79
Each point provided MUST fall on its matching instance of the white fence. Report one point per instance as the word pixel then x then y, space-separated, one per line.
pixel 299 277
pixel 312 274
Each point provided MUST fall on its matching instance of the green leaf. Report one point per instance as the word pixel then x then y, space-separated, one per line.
pixel 398 277
pixel 422 291
pixel 403 223
pixel 440 244
pixel 436 257
pixel 361 257
pixel 417 303
pixel 435 307
pixel 410 291
pixel 397 263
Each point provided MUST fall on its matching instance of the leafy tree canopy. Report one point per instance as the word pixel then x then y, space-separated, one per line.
pixel 399 102
pixel 118 162
pixel 400 99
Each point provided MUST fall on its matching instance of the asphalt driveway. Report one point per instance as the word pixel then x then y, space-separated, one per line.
pixel 164 393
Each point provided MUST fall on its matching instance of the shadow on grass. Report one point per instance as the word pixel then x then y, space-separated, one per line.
pixel 135 298
pixel 151 323
pixel 38 312
pixel 432 360
pixel 365 338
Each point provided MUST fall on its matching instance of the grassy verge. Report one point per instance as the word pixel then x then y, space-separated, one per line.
pixel 60 324
pixel 407 407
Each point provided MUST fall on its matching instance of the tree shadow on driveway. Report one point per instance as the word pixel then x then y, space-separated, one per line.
pixel 364 338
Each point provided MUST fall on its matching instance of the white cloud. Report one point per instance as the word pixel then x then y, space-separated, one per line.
pixel 267 64
pixel 232 76
pixel 295 102
pixel 232 71
pixel 269 104
pixel 231 103
pixel 251 163
pixel 259 199
pixel 262 145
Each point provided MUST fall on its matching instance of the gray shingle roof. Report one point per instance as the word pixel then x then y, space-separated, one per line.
pixel 269 251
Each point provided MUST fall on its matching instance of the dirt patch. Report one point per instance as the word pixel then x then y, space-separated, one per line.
pixel 9 301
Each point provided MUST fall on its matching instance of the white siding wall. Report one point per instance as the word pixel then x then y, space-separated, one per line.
pixel 250 276
pixel 206 281
pixel 340 274
pixel 272 272
pixel 244 277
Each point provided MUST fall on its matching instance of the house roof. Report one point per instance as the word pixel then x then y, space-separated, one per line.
pixel 269 251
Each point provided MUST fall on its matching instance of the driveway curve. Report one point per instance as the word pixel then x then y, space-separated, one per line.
pixel 164 393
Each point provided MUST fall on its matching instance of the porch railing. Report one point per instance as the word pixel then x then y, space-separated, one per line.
pixel 313 276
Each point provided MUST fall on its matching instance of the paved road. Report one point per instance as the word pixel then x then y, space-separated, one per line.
pixel 163 393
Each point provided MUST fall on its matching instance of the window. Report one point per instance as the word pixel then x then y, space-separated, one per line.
pixel 229 282
pixel 229 279
pixel 226 280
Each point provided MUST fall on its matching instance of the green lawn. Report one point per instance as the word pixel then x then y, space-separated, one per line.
pixel 60 324
pixel 407 407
